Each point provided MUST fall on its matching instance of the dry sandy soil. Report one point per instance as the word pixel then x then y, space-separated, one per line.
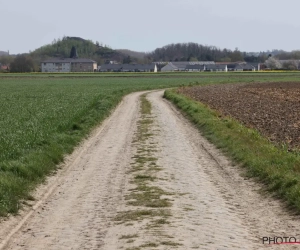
pixel 272 108
pixel 204 201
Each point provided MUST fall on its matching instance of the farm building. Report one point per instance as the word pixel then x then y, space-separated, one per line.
pixel 257 66
pixel 3 67
pixel 216 67
pixel 128 68
pixel 242 66
pixel 234 67
pixel 69 65
pixel 175 66
pixel 247 67
pixel 110 68
pixel 181 66
pixel 192 68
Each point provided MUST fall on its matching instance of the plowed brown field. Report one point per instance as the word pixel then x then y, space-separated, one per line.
pixel 271 108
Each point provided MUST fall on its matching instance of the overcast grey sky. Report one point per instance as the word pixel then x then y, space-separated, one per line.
pixel 140 25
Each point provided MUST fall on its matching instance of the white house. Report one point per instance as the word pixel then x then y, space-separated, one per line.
pixel 193 68
pixel 69 65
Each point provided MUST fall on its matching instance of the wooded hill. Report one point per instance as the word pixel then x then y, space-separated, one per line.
pixel 85 48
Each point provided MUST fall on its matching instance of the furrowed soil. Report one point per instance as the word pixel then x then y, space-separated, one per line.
pixel 146 179
pixel 271 108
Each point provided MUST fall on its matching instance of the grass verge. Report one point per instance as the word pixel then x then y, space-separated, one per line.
pixel 275 167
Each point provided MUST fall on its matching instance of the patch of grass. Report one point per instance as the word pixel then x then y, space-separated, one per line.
pixel 170 243
pixel 149 244
pixel 188 209
pixel 143 200
pixel 148 196
pixel 161 221
pixel 141 214
pixel 129 224
pixel 135 168
pixel 274 166
pixel 143 159
pixel 158 223
pixel 145 106
pixel 155 168
pixel 128 236
pixel 144 178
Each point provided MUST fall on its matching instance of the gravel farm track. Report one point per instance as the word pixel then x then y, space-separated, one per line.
pixel 204 202
pixel 272 108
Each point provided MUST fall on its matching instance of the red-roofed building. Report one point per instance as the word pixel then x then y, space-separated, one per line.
pixel 4 67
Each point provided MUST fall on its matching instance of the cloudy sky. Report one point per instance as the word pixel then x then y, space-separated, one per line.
pixel 140 25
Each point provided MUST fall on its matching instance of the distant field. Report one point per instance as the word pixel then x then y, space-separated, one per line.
pixel 271 108
pixel 158 74
pixel 43 116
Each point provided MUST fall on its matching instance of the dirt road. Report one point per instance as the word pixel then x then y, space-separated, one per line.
pixel 146 179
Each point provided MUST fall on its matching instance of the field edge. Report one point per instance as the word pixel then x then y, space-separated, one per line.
pixel 20 177
pixel 273 166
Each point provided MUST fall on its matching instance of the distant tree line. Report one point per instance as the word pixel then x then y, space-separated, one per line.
pixel 198 52
pixel 294 55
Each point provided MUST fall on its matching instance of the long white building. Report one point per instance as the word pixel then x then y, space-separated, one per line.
pixel 69 65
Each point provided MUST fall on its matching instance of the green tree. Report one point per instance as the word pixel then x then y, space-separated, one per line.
pixel 6 60
pixel 236 56
pixel 127 60
pixel 193 59
pixel 73 53
pixel 22 63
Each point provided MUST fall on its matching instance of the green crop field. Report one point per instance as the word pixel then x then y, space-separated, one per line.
pixel 44 116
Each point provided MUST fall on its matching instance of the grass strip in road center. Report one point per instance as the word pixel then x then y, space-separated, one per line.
pixel 146 201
